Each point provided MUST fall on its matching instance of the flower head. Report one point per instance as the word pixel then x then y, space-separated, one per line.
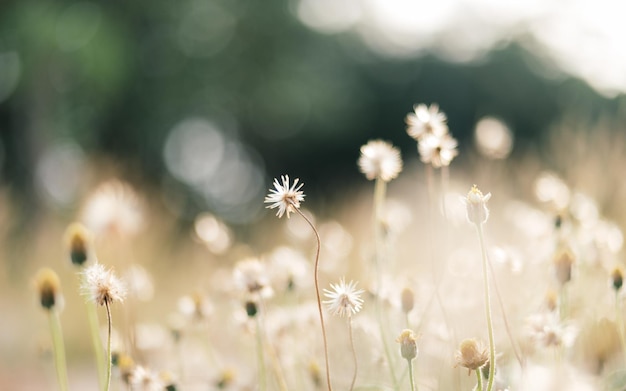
pixel 344 299
pixel 284 197
pixel 426 120
pixel 101 285
pixel 408 344
pixel 563 262
pixel 144 379
pixel 476 204
pixel 617 278
pixel 114 207
pixel 438 150
pixel 250 275
pixel 78 242
pixel 472 354
pixel 49 289
pixel 380 159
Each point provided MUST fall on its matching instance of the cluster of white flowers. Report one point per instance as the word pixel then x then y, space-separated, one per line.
pixel 427 125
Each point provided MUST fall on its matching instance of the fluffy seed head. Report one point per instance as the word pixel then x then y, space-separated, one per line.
pixel 101 285
pixel 49 289
pixel 285 197
pixel 476 204
pixel 344 299
pixel 426 120
pixel 408 344
pixel 472 355
pixel 78 242
pixel 380 159
pixel 437 150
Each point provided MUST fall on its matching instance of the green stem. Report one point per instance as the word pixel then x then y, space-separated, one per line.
pixel 356 365
pixel 261 358
pixel 492 347
pixel 59 349
pixel 109 330
pixel 317 293
pixel 620 325
pixel 479 379
pixel 380 189
pixel 411 377
pixel 98 350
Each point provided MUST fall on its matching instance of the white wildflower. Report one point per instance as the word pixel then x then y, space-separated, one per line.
pixel 380 159
pixel 426 120
pixel 101 285
pixel 344 299
pixel 438 150
pixel 284 197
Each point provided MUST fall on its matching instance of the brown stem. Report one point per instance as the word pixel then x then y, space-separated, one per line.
pixel 317 292
pixel 356 366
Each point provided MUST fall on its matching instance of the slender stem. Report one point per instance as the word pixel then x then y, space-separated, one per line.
pixel 317 293
pixel 563 304
pixel 356 365
pixel 445 179
pixel 109 330
pixel 518 355
pixel 380 189
pixel 98 349
pixel 620 324
pixel 269 350
pixel 59 349
pixel 260 356
pixel 479 379
pixel 411 377
pixel 492 347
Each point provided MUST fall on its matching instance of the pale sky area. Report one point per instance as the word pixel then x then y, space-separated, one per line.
pixel 582 38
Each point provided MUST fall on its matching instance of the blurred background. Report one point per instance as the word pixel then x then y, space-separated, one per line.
pixel 206 100
pixel 200 103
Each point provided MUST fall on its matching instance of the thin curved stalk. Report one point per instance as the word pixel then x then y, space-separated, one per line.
pixel 317 292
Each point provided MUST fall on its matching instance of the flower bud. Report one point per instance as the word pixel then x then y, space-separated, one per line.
pixel 408 344
pixel 49 289
pixel 617 278
pixel 78 242
pixel 476 204
pixel 407 299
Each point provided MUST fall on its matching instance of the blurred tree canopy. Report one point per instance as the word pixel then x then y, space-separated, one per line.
pixel 116 77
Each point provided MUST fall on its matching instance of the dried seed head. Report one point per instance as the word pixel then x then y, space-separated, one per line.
pixel 476 204
pixel 563 262
pixel 472 354
pixel 78 242
pixel 380 159
pixel 617 278
pixel 408 344
pixel 344 299
pixel 101 285
pixel 285 197
pixel 48 287
pixel 407 299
